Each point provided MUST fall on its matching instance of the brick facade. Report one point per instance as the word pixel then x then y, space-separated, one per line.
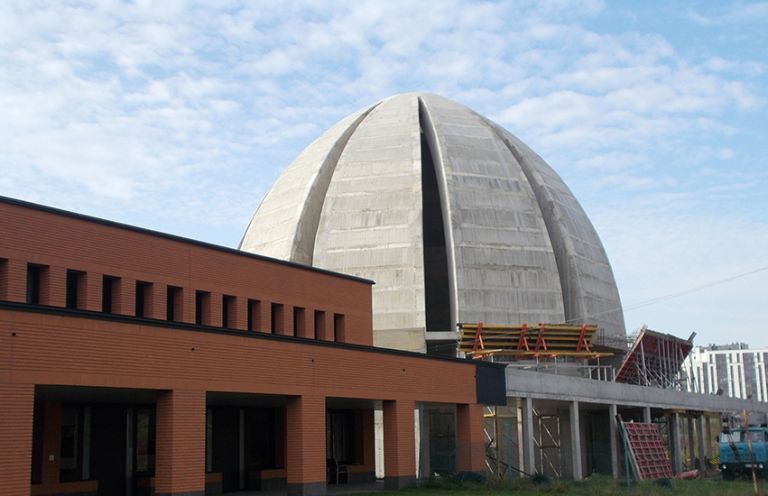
pixel 318 350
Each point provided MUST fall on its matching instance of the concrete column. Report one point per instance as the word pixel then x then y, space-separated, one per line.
pixel 529 463
pixel 399 444
pixel 647 415
pixel 13 280
pixel 689 422
pixel 180 444
pixel 17 402
pixel 613 426
pixel 305 445
pixel 677 446
pixel 702 442
pixel 470 442
pixel 92 291
pixel 575 440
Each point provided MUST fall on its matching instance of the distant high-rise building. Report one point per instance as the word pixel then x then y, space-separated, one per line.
pixel 732 370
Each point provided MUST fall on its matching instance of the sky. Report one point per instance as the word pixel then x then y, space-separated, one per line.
pixel 178 116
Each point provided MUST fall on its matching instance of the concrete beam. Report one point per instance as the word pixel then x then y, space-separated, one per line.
pixel 522 383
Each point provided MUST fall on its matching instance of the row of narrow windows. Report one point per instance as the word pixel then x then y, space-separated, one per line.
pixel 110 292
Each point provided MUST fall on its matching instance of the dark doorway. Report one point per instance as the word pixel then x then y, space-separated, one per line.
pixel 109 449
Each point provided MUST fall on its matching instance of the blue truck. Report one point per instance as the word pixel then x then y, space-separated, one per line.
pixel 735 458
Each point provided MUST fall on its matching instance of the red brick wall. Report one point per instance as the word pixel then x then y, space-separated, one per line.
pixel 470 443
pixel 64 349
pixel 180 455
pixel 399 438
pixel 305 440
pixel 16 406
pixel 61 242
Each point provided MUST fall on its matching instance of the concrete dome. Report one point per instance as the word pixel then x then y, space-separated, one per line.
pixel 454 218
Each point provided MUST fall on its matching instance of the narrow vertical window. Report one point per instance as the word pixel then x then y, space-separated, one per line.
pixel 277 318
pixel 3 278
pixel 108 293
pixel 298 322
pixel 318 331
pixel 34 277
pixel 228 309
pixel 173 297
pixel 75 287
pixel 254 315
pixel 202 308
pixel 143 293
pixel 339 332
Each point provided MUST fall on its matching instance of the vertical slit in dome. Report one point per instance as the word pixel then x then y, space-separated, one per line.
pixel 437 304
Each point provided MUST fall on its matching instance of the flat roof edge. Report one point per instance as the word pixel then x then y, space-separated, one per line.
pixel 173 237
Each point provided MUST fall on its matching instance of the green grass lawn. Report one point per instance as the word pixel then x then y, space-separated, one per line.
pixel 596 486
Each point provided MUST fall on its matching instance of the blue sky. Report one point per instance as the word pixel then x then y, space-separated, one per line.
pixel 178 116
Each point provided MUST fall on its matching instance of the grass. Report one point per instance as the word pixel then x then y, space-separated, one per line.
pixel 594 486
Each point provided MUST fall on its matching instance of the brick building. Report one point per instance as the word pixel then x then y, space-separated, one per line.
pixel 134 362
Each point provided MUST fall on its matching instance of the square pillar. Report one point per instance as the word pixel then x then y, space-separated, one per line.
pixel 17 402
pixel 470 439
pixel 691 428
pixel 647 415
pixel 573 409
pixel 528 449
pixel 677 446
pixel 399 444
pixel 180 443
pixel 92 291
pixel 305 445
pixel 613 426
pixel 702 442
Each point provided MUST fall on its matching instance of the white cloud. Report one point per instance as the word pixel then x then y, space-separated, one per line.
pixel 191 109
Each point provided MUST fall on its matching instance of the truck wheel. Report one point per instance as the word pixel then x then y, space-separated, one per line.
pixel 728 474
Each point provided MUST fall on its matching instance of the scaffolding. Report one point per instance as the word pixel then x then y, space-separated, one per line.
pixel 529 347
pixel 655 359
pixel 479 340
